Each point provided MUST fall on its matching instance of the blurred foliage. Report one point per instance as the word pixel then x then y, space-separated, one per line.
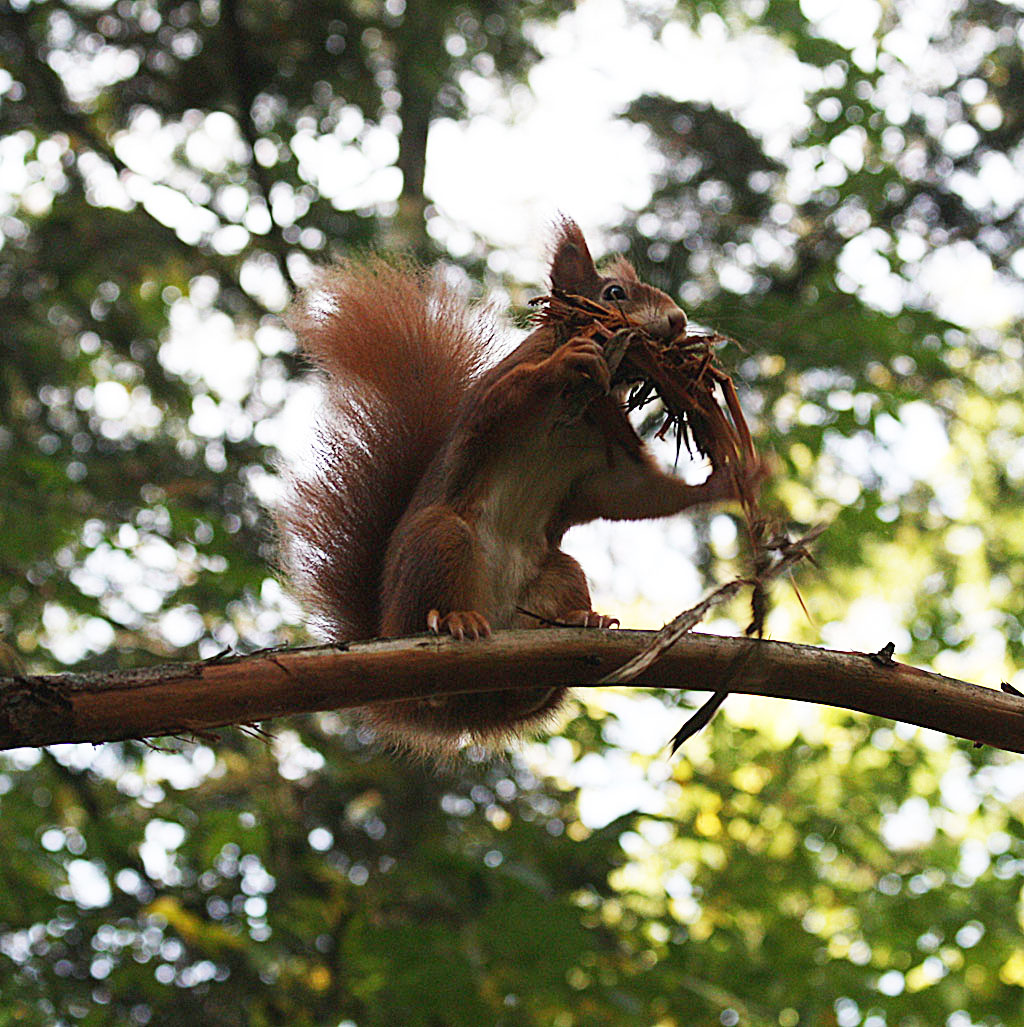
pixel 846 340
pixel 169 170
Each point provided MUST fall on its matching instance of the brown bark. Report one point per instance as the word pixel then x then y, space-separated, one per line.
pixel 419 55
pixel 197 697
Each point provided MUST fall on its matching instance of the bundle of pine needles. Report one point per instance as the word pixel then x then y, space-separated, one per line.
pixel 680 371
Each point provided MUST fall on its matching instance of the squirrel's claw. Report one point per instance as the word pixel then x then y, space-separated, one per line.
pixel 589 619
pixel 460 624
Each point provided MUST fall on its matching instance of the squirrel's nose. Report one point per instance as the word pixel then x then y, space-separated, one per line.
pixel 669 325
pixel 676 321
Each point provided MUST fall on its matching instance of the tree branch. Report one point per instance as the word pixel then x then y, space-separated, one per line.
pixel 197 697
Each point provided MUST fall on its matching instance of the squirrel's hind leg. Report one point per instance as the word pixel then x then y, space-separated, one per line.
pixel 433 580
pixel 432 577
pixel 559 594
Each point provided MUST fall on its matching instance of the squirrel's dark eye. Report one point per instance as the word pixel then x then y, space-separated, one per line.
pixel 613 292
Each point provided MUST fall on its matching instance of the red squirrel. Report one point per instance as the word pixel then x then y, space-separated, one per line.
pixel 441 487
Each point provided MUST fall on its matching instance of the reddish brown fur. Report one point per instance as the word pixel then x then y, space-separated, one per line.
pixel 397 348
pixel 442 491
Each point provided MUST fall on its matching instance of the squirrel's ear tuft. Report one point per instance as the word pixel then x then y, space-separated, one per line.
pixel 572 267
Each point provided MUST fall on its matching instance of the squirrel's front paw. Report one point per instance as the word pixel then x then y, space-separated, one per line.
pixel 589 619
pixel 459 624
pixel 725 484
pixel 582 360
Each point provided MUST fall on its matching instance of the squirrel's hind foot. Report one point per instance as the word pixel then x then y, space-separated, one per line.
pixel 459 624
pixel 589 619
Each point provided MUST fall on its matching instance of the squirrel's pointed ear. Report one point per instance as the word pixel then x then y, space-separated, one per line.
pixel 572 267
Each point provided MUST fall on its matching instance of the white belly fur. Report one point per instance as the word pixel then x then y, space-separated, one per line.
pixel 527 490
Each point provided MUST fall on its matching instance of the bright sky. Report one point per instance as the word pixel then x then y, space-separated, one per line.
pixel 564 151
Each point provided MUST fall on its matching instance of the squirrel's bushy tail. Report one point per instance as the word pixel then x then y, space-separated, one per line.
pixel 397 347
